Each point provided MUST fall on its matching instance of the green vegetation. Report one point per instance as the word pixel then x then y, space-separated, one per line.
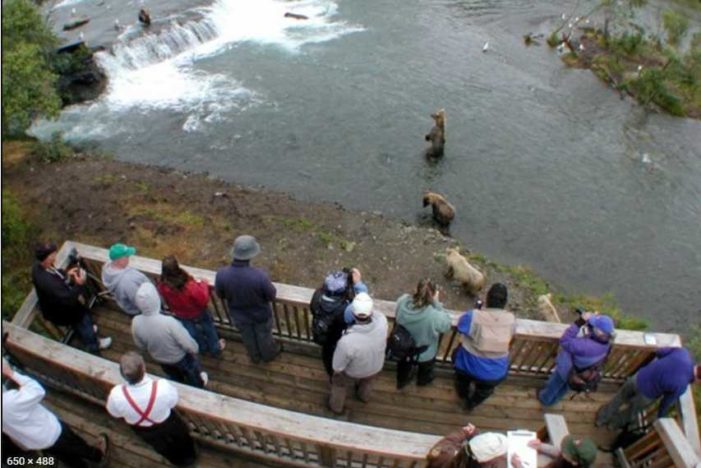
pixel 17 235
pixel 28 82
pixel 654 71
pixel 53 150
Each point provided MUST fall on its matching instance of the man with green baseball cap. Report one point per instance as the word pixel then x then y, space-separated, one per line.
pixel 122 280
pixel 572 452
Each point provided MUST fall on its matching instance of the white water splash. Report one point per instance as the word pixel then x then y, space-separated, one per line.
pixel 158 70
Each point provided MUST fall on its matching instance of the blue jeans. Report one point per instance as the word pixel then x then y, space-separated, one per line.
pixel 203 331
pixel 186 371
pixel 555 389
pixel 86 334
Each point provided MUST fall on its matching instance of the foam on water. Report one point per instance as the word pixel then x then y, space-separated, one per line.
pixel 159 70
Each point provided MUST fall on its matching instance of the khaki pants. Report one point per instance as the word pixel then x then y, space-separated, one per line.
pixel 340 383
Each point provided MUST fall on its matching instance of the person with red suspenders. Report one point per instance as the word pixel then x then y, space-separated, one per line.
pixel 147 405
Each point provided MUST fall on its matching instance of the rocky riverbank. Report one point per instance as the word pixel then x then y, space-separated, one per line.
pixel 99 201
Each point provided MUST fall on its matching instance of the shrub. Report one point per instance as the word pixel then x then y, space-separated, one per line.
pixel 676 26
pixel 650 87
pixel 53 150
pixel 628 43
pixel 17 235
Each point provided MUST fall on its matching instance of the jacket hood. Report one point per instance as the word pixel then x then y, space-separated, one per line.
pixel 147 299
pixel 111 275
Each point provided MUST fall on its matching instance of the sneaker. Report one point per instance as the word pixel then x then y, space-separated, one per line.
pixel 205 378
pixel 105 342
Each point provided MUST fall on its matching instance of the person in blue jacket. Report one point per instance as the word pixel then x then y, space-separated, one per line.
pixel 667 377
pixel 584 344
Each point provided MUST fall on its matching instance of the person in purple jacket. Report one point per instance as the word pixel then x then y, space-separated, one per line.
pixel 581 350
pixel 249 292
pixel 666 377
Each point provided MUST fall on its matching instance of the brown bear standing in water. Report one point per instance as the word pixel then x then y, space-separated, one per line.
pixel 437 135
pixel 443 212
pixel 144 17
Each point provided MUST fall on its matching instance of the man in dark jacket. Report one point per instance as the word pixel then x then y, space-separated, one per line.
pixel 249 292
pixel 61 297
pixel 667 377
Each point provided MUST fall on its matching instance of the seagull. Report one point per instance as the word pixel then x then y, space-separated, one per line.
pixel 576 19
pixel 581 47
pixel 646 159
pixel 117 26
pixel 640 68
pixel 73 12
pixel 486 47
pixel 82 36
pixel 564 16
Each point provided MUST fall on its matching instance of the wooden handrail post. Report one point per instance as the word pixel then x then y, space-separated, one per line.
pixel 677 445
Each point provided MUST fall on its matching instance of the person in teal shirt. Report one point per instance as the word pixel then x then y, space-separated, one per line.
pixel 425 319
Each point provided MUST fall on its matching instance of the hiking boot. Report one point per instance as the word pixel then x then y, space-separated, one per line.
pixel 205 378
pixel 104 343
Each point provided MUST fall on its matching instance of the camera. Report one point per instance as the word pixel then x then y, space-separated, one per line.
pixel 75 260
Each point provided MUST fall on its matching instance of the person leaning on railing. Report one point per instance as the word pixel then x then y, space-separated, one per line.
pixel 249 292
pixel 148 406
pixel 187 299
pixel 122 280
pixel 424 317
pixel 468 448
pixel 667 377
pixel 578 352
pixel 33 427
pixel 482 358
pixel 572 452
pixel 62 299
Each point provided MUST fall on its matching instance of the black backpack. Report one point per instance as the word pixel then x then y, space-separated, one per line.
pixel 325 311
pixel 401 345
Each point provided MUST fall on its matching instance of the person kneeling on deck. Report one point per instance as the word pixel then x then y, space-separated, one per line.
pixel 425 319
pixel 483 354
pixel 147 405
pixel 61 297
pixel 187 299
pixel 666 377
pixel 33 427
pixel 249 292
pixel 359 355
pixel 578 365
pixel 121 280
pixel 166 339
pixel 572 452
pixel 328 306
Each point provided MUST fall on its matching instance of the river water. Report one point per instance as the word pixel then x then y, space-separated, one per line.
pixel 547 166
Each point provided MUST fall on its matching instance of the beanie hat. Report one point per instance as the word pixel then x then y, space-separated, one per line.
pixel 362 306
pixel 583 451
pixel 603 323
pixel 147 299
pixel 41 251
pixel 488 446
pixel 336 282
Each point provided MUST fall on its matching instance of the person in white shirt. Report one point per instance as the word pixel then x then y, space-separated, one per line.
pixel 33 427
pixel 147 405
pixel 360 353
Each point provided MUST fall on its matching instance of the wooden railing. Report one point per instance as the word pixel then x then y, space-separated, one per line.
pixel 532 352
pixel 664 446
pixel 262 431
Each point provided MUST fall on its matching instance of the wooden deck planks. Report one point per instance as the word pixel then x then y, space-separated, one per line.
pixel 298 382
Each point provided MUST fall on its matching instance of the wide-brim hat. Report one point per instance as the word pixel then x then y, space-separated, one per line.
pixel 245 248
pixel 488 446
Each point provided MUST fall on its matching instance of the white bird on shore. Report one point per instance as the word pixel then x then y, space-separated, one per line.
pixel 82 36
pixel 646 159
pixel 117 26
pixel 640 68
pixel 485 48
pixel 581 47
pixel 73 12
pixel 564 16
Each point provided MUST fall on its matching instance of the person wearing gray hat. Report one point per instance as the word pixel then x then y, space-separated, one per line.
pixel 249 292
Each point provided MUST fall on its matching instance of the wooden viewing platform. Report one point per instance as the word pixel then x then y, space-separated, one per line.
pixel 276 412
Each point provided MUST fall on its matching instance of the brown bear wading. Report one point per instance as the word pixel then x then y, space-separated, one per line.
pixel 437 135
pixel 443 212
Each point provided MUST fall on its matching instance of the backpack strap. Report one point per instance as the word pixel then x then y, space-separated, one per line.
pixel 149 407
